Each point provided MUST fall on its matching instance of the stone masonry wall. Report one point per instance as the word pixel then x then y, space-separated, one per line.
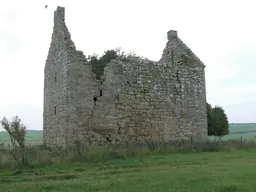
pixel 65 87
pixel 69 88
pixel 55 85
pixel 137 100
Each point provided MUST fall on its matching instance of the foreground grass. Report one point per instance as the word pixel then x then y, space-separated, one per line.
pixel 229 171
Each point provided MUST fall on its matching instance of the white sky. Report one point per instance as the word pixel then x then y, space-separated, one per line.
pixel 221 33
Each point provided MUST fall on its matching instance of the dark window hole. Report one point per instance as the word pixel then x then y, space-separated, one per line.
pixel 108 138
pixel 94 99
pixel 146 91
pixel 55 110
pixel 100 92
pixel 128 83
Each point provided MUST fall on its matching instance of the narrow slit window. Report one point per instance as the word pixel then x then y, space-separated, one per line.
pixel 180 62
pixel 55 110
pixel 55 77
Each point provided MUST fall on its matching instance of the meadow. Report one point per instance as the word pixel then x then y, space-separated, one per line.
pixel 238 130
pixel 225 171
pixel 32 138
pixel 31 135
pixel 224 166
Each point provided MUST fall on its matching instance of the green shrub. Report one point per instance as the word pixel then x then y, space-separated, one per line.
pixel 217 121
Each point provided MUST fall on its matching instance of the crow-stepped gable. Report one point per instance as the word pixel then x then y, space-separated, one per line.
pixel 136 100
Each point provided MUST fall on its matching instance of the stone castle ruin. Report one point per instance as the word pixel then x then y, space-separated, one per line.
pixel 135 101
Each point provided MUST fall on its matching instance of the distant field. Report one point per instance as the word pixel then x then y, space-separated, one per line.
pixel 242 127
pixel 31 135
pixel 237 130
pixel 245 130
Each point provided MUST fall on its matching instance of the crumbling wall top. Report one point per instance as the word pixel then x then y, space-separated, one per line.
pixel 59 14
pixel 172 34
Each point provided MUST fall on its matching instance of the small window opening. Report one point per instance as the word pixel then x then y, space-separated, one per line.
pixel 55 77
pixel 55 110
pixel 128 83
pixel 146 91
pixel 180 62
pixel 100 92
pixel 108 138
pixel 177 73
pixel 172 58
pixel 94 99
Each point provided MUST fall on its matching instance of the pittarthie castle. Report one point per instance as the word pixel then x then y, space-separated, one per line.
pixel 136 99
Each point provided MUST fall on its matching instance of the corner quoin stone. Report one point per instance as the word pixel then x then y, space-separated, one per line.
pixel 136 100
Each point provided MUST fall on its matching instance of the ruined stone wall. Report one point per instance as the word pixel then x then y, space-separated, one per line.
pixel 137 99
pixel 69 87
pixel 56 85
pixel 144 100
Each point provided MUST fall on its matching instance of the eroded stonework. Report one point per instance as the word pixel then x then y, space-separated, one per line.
pixel 136 100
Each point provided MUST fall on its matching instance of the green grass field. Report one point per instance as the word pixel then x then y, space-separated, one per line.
pixel 229 171
pixel 31 135
pixel 246 127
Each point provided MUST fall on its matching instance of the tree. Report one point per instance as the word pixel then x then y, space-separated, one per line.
pixel 98 64
pixel 210 119
pixel 17 132
pixel 220 121
pixel 217 121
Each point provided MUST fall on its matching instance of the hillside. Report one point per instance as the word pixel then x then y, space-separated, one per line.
pixel 31 135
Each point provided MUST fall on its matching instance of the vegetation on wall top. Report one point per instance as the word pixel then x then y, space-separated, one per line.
pixel 99 62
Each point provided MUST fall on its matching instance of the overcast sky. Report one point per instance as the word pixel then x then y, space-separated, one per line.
pixel 221 33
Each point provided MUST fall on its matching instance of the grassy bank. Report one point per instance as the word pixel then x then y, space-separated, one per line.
pixel 229 171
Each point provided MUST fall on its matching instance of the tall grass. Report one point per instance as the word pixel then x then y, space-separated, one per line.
pixel 42 156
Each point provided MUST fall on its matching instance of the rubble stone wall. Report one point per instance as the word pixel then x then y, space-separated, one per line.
pixel 136 100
